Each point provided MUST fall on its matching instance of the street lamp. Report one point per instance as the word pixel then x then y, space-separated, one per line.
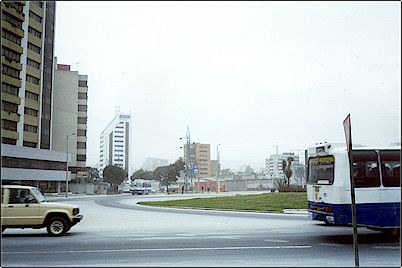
pixel 217 177
pixel 72 134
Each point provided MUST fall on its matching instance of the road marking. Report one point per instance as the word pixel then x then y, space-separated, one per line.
pixel 155 249
pixel 276 241
pixel 387 247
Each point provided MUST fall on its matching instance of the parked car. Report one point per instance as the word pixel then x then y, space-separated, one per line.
pixel 26 207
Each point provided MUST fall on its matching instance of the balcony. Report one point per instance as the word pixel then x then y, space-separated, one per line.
pixel 30 136
pixel 9 134
pixel 11 80
pixel 12 63
pixel 8 26
pixel 10 98
pixel 32 87
pixel 35 40
pixel 11 45
pixel 36 25
pixel 10 116
pixel 15 13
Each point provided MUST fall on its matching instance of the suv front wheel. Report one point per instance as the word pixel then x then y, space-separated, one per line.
pixel 57 226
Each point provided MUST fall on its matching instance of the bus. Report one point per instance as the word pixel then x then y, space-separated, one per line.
pixel 376 173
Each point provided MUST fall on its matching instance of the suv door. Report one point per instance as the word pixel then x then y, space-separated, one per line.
pixel 22 208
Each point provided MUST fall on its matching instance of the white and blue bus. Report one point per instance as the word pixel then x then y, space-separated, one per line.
pixel 376 173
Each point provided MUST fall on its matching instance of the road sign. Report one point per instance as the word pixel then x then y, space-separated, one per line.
pixel 348 135
pixel 348 132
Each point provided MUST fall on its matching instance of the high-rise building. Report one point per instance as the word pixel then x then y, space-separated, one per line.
pixel 27 45
pixel 70 108
pixel 199 155
pixel 114 146
pixel 274 164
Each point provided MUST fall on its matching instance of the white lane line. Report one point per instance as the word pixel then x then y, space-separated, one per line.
pixel 387 247
pixel 276 241
pixel 154 249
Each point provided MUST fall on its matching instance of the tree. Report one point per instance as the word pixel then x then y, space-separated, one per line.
pixel 288 170
pixel 142 174
pixel 114 175
pixel 168 174
pixel 226 172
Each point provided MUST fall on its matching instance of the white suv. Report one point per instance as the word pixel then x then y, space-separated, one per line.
pixel 26 207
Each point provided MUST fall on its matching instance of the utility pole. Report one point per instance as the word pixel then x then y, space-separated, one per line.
pixel 67 162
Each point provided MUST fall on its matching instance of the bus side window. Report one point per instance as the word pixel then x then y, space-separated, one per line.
pixel 365 169
pixel 390 165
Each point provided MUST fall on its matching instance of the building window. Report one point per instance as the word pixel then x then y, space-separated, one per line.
pixel 118 131
pixel 32 79
pixel 10 71
pixel 118 145
pixel 119 126
pixel 29 144
pixel 35 17
pixel 82 120
pixel 9 89
pixel 34 48
pixel 30 112
pixel 11 36
pixel 9 107
pixel 81 145
pixel 119 136
pixel 9 125
pixel 11 20
pixel 32 96
pixel 82 83
pixel 81 132
pixel 34 32
pixel 33 63
pixel 38 3
pixel 24 163
pixel 118 141
pixel 8 141
pixel 82 108
pixel 81 157
pixel 30 128
pixel 10 55
pixel 82 96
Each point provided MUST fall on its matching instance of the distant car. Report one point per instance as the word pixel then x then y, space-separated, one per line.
pixel 142 190
pixel 26 207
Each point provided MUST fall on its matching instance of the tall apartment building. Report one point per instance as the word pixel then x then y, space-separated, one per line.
pixel 274 164
pixel 198 154
pixel 27 46
pixel 70 110
pixel 114 146
pixel 150 164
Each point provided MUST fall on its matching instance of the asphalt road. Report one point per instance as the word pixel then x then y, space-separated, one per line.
pixel 117 232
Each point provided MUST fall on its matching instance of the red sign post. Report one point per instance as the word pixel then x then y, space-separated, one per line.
pixel 348 135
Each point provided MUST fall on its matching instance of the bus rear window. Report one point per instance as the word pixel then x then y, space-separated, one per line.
pixel 365 169
pixel 390 167
pixel 321 170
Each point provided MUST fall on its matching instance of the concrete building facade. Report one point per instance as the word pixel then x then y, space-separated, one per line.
pixel 114 145
pixel 27 84
pixel 70 110
pixel 273 164
pixel 199 155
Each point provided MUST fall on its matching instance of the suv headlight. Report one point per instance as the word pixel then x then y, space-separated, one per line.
pixel 76 211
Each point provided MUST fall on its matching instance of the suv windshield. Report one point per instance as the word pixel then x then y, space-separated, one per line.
pixel 38 195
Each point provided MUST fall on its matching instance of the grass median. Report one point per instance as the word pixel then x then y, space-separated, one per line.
pixel 268 202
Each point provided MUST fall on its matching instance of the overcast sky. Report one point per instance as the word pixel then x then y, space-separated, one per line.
pixel 247 75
